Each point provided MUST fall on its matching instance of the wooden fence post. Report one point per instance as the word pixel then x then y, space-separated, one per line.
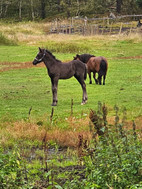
pixel 110 28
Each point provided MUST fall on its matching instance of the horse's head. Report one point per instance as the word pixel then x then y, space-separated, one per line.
pixel 40 56
pixel 77 57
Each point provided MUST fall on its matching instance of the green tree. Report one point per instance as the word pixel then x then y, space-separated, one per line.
pixel 139 3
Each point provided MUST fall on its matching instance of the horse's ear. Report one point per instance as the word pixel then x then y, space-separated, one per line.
pixel 39 49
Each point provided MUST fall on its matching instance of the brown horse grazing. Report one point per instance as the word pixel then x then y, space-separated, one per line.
pixel 95 64
pixel 58 70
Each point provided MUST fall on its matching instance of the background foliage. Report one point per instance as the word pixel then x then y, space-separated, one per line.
pixel 41 9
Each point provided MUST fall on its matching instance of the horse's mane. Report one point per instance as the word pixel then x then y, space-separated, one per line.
pixel 52 55
pixel 85 57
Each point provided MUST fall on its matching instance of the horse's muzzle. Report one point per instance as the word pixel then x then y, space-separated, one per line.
pixel 35 62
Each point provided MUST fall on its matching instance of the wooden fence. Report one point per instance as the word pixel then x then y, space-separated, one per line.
pixel 96 26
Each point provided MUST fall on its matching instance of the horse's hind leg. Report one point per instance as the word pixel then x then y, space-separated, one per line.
pixel 104 77
pixel 83 85
pixel 85 97
pixel 100 79
pixel 54 82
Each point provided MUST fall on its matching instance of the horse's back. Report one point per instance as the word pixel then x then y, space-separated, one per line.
pixel 97 63
pixel 101 60
pixel 93 64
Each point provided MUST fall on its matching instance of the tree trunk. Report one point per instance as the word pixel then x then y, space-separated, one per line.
pixel 32 10
pixel 43 14
pixel 118 6
pixel 78 8
pixel 20 9
pixel 1 8
pixel 58 5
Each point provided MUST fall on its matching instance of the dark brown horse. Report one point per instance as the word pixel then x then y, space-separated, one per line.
pixel 95 64
pixel 59 70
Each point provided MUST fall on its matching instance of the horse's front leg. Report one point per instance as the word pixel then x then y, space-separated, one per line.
pixel 54 82
pixel 94 75
pixel 89 73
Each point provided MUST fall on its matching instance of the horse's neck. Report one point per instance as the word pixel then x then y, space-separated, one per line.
pixel 50 62
pixel 86 57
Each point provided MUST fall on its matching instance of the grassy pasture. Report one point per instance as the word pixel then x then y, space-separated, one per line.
pixel 29 87
pixel 23 86
pixel 20 87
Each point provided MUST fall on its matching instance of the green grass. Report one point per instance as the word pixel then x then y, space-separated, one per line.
pixel 66 50
pixel 17 53
pixel 25 88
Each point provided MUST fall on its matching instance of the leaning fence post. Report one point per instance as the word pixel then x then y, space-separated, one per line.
pixel 110 28
pixel 120 28
pixel 85 25
pixel 130 29
pixel 103 26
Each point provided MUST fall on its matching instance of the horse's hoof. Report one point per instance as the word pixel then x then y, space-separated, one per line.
pixel 53 104
pixel 83 103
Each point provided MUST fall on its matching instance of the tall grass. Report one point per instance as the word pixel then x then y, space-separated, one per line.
pixel 35 33
pixel 6 41
pixel 67 47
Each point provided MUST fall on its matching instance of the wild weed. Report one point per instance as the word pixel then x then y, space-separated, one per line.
pixel 114 159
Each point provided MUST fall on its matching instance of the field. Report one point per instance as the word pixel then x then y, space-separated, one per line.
pixel 28 120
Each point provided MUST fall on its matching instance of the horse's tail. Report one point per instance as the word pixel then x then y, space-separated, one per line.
pixel 103 67
pixel 85 73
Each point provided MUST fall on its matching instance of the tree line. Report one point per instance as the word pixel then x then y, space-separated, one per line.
pixel 41 9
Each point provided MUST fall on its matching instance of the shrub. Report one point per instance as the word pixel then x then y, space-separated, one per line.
pixel 10 169
pixel 114 159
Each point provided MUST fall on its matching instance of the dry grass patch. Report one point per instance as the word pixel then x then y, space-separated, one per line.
pixel 31 131
pixel 34 33
pixel 63 137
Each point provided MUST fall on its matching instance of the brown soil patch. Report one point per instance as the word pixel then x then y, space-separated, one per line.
pixel 132 57
pixel 129 57
pixel 5 66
